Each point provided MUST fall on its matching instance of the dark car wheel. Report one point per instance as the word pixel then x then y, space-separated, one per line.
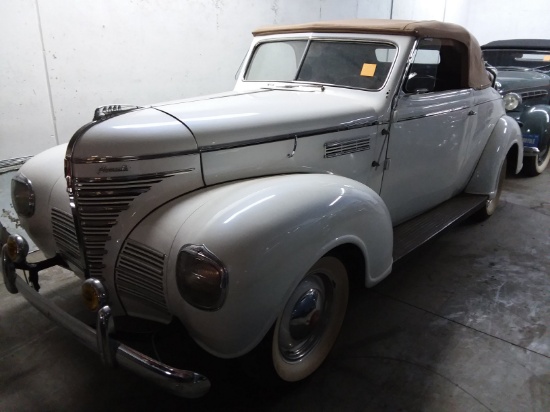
pixel 535 165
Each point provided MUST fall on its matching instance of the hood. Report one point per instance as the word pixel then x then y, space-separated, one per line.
pixel 140 133
pixel 519 80
pixel 230 119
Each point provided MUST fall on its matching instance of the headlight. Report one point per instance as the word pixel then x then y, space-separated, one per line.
pixel 22 196
pixel 201 277
pixel 511 101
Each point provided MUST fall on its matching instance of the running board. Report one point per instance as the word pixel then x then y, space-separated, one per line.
pixel 415 232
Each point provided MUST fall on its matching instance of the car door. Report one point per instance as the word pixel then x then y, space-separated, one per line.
pixel 428 131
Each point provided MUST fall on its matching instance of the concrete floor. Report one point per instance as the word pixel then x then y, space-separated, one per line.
pixel 461 325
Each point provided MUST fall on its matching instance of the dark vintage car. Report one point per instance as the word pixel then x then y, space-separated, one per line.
pixel 523 79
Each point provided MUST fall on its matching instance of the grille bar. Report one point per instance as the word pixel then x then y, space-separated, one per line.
pixel 533 94
pixel 99 204
pixel 65 237
pixel 139 274
pixel 334 149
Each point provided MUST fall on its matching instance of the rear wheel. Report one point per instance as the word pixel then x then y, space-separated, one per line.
pixel 311 320
pixel 535 165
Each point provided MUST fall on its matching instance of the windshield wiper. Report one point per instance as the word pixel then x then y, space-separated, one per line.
pixel 300 87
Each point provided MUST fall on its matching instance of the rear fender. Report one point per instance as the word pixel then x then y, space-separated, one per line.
pixel 267 232
pixel 505 135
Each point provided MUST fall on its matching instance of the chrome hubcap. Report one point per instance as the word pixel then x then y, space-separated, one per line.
pixel 305 317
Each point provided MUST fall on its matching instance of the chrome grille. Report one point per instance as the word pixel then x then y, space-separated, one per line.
pixel 99 203
pixel 333 149
pixel 65 236
pixel 139 274
pixel 533 94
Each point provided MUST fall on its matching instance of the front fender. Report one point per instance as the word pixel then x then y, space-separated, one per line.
pixel 536 126
pixel 268 232
pixel 505 135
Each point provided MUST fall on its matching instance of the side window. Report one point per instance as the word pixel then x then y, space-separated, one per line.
pixel 439 65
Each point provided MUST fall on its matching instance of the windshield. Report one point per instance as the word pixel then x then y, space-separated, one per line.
pixel 363 65
pixel 524 59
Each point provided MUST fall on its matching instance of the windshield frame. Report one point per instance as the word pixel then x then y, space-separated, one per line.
pixel 310 40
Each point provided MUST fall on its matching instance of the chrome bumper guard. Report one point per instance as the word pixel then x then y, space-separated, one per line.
pixel 530 151
pixel 180 382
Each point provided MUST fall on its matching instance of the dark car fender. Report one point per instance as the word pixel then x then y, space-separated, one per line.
pixel 535 126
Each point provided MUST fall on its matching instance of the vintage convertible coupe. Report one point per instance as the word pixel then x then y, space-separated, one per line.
pixel 524 82
pixel 247 214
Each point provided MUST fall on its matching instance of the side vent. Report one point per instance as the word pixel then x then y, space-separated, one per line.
pixel 139 275
pixel 333 149
pixel 65 237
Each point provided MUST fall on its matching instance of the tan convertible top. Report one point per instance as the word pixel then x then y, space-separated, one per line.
pixel 477 77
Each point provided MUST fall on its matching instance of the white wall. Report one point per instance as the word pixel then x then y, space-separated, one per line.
pixel 62 58
pixel 487 19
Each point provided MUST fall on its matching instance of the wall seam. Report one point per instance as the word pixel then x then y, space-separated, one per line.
pixel 52 110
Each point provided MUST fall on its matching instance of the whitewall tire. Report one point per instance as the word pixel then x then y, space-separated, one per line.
pixel 310 323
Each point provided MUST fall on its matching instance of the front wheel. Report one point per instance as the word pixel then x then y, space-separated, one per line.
pixel 535 165
pixel 491 204
pixel 311 320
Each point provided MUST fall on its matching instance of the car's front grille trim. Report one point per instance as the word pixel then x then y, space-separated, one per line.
pixel 533 94
pixel 99 202
pixel 333 149
pixel 139 274
pixel 65 238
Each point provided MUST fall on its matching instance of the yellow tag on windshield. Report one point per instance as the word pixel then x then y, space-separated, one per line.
pixel 368 70
pixel 546 58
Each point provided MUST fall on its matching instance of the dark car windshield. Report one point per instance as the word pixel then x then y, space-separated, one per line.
pixel 524 59
pixel 363 65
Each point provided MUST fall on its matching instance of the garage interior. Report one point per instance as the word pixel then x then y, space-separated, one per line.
pixel 460 325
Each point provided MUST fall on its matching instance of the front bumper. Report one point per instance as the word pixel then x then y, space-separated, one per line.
pixel 180 382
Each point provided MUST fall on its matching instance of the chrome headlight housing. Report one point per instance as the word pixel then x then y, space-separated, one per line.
pixel 22 195
pixel 201 277
pixel 511 101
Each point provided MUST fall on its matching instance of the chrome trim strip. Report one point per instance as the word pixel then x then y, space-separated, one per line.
pixel 180 382
pixel 71 189
pixel 137 178
pixel 438 113
pixel 112 159
pixel 357 124
pixel 533 94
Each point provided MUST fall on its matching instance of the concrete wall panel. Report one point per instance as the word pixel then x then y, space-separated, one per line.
pixel 26 125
